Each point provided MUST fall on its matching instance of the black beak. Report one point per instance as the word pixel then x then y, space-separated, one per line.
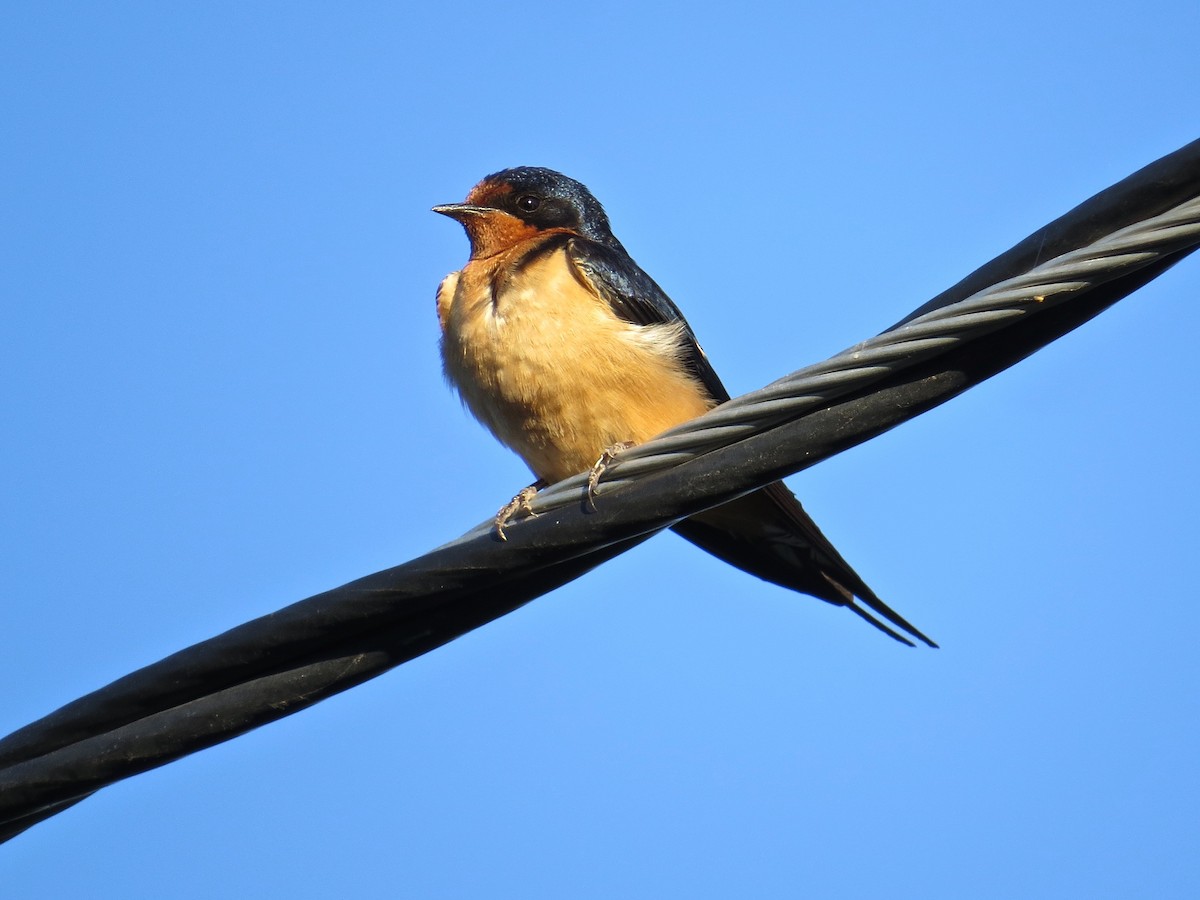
pixel 461 211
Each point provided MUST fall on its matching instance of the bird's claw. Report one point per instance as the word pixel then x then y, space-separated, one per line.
pixel 599 469
pixel 519 503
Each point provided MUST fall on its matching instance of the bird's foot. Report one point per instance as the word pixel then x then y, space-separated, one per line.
pixel 600 467
pixel 517 504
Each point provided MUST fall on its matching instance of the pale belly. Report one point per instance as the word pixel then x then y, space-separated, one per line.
pixel 554 374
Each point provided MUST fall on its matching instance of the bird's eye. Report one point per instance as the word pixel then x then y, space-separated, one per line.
pixel 528 202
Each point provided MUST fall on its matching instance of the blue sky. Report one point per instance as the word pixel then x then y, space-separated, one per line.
pixel 221 393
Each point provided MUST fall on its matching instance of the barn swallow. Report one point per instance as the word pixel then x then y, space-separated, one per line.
pixel 565 349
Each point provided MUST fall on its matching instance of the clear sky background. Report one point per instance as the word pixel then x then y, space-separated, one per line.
pixel 221 393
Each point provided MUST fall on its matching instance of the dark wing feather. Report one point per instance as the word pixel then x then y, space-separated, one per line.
pixel 769 534
pixel 634 297
pixel 766 533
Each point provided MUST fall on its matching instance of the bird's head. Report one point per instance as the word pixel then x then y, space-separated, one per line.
pixel 515 205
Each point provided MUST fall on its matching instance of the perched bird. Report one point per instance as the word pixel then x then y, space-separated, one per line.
pixel 565 349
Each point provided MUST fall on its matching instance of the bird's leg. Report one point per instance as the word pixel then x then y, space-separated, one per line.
pixel 515 505
pixel 609 454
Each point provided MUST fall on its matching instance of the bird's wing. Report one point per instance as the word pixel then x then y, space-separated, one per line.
pixel 634 297
pixel 766 533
